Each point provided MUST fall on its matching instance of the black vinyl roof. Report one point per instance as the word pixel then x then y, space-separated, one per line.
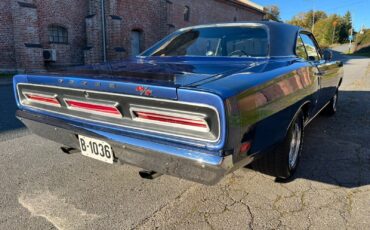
pixel 282 37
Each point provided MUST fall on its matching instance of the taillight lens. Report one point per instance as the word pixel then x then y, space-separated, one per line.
pixel 173 119
pixel 42 99
pixel 97 108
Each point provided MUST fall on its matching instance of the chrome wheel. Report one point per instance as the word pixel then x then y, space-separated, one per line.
pixel 295 145
pixel 283 161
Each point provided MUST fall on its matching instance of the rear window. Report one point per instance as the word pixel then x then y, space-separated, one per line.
pixel 227 41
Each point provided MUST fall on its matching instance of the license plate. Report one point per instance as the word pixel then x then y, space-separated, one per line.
pixel 97 149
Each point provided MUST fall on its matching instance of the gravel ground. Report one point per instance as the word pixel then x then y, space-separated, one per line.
pixel 41 188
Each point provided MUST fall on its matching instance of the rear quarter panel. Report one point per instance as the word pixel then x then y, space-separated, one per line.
pixel 261 105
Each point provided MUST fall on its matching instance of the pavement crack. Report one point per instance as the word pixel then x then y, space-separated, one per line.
pixel 162 207
pixel 251 222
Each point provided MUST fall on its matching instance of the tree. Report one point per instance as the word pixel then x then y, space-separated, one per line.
pixel 272 12
pixel 327 29
pixel 346 27
pixel 348 18
pixel 307 19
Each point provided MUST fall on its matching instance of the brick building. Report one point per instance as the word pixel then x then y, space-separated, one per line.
pixel 89 31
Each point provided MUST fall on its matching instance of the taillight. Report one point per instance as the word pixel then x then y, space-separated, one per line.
pixel 42 99
pixel 171 118
pixel 97 108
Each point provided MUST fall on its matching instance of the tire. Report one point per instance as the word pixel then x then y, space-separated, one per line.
pixel 283 161
pixel 331 108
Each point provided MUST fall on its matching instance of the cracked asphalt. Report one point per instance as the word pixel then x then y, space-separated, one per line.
pixel 41 188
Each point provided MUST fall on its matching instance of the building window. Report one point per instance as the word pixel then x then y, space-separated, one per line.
pixel 136 42
pixel 58 34
pixel 169 6
pixel 187 13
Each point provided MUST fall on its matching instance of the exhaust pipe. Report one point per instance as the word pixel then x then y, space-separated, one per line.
pixel 149 175
pixel 69 150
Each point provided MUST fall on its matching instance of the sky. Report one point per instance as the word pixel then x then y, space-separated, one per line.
pixel 360 9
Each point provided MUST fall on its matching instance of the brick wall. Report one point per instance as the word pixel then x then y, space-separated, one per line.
pixel 205 12
pixel 24 27
pixel 143 16
pixel 26 37
pixel 7 58
pixel 157 18
pixel 71 15
pixel 93 49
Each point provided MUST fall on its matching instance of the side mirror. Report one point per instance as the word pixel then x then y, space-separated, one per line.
pixel 328 55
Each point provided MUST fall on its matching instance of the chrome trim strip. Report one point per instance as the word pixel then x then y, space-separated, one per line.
pixel 130 96
pixel 244 24
pixel 313 117
pixel 46 95
pixel 113 104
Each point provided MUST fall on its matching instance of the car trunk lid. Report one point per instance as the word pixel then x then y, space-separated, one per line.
pixel 154 76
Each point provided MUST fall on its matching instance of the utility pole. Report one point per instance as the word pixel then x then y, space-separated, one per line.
pixel 313 16
pixel 335 25
pixel 350 39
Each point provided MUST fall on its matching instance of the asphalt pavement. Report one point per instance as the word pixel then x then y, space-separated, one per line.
pixel 42 188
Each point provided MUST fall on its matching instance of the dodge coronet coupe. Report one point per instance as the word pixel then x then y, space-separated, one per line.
pixel 202 102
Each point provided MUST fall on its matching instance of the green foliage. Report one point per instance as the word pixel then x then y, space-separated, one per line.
pixel 305 20
pixel 6 75
pixel 272 12
pixel 363 43
pixel 363 39
pixel 328 29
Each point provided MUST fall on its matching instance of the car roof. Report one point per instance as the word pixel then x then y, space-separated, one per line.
pixel 282 36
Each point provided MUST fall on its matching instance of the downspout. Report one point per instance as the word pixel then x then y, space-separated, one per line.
pixel 102 2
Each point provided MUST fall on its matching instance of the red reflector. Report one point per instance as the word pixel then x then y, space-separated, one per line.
pixel 92 107
pixel 201 123
pixel 44 99
pixel 245 147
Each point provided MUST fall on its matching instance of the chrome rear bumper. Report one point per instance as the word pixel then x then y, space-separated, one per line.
pixel 167 159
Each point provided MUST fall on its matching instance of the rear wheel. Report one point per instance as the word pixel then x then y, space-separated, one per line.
pixel 283 161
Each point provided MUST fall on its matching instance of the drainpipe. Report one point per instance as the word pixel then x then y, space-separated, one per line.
pixel 102 2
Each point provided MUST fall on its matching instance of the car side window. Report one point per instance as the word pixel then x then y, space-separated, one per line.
pixel 300 50
pixel 311 48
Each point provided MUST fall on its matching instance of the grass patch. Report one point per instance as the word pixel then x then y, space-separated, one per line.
pixel 363 44
pixel 362 52
pixel 359 54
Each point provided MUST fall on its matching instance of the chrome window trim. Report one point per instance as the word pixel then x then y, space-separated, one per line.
pixel 130 96
pixel 235 24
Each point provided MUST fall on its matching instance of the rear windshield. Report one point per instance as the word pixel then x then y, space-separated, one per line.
pixel 227 41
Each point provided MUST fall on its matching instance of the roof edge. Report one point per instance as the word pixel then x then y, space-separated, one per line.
pixel 249 4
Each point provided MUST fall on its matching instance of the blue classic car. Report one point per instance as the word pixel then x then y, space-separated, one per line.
pixel 202 102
